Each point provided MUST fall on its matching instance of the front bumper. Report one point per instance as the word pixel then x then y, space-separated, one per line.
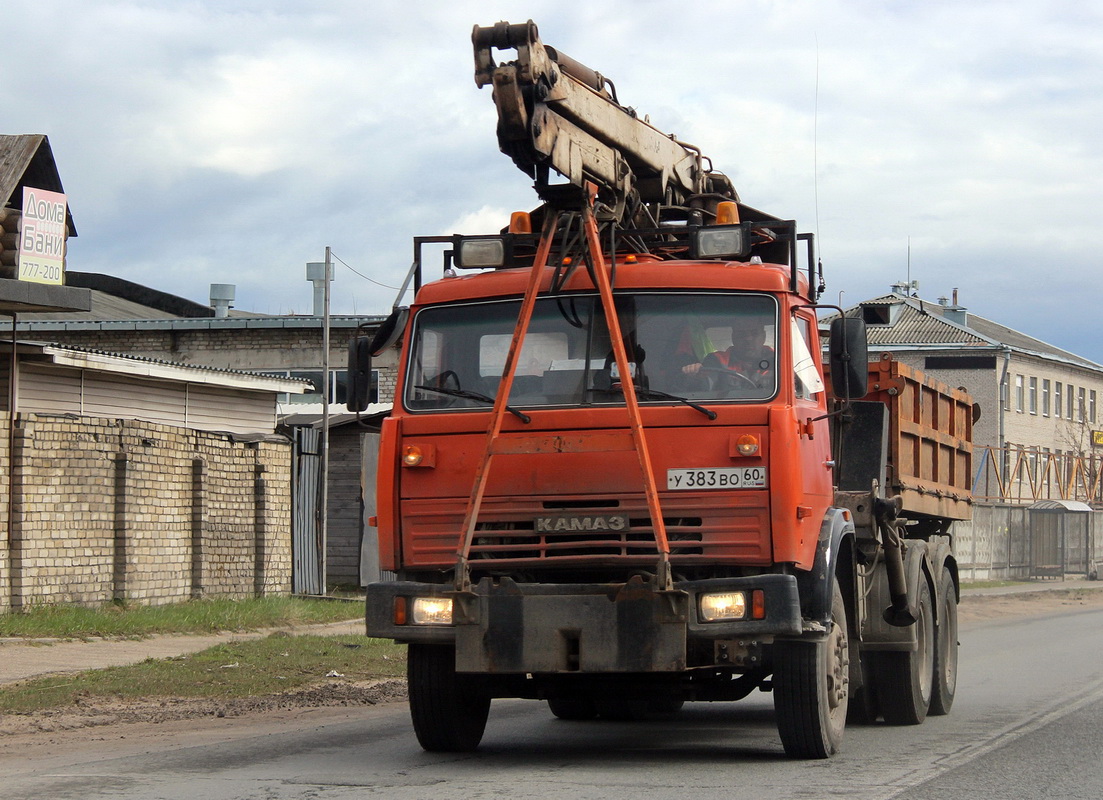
pixel 506 627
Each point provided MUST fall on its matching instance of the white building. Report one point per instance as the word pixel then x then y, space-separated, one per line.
pixel 1040 435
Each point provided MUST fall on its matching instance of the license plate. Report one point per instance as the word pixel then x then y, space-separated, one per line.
pixel 717 478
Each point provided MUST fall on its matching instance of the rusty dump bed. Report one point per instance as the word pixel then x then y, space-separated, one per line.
pixel 930 439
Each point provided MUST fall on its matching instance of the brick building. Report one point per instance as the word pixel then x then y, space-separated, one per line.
pixel 138 321
pixel 138 480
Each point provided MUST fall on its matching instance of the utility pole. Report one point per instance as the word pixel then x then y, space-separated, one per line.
pixel 321 517
pixel 325 426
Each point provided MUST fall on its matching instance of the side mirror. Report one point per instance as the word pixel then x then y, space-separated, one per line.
pixel 361 349
pixel 359 392
pixel 848 354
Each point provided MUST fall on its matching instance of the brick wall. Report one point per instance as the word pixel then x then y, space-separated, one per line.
pixel 133 511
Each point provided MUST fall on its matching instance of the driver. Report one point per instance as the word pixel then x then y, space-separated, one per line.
pixel 749 355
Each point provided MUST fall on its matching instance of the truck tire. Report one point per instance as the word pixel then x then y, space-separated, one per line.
pixel 904 680
pixel 945 651
pixel 811 688
pixel 572 706
pixel 667 703
pixel 448 710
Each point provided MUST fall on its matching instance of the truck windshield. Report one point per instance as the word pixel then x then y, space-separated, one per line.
pixel 702 347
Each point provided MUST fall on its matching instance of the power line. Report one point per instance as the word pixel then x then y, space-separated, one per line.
pixel 362 275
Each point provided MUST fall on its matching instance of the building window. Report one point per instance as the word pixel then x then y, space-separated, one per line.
pixel 1091 406
pixel 1057 399
pixel 1070 406
pixel 1019 398
pixel 1080 404
pixel 1045 398
pixel 338 384
pixel 1033 395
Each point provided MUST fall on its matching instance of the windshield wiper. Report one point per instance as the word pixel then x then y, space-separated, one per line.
pixel 656 394
pixel 521 415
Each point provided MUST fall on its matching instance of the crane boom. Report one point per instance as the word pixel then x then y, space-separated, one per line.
pixel 555 113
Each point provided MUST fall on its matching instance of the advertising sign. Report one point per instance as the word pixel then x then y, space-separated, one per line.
pixel 42 236
pixel 1097 438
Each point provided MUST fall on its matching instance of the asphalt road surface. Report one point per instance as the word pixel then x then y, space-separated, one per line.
pixel 1027 723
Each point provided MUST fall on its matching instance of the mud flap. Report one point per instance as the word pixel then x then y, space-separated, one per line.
pixel 502 627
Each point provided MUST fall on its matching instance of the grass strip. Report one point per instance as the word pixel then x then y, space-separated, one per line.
pixel 198 616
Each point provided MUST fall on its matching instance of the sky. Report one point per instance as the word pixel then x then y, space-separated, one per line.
pixel 956 144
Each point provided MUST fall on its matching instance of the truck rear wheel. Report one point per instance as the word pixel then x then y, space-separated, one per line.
pixel 904 680
pixel 945 652
pixel 448 710
pixel 811 688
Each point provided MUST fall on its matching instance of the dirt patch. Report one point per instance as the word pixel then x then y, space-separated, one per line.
pixel 977 608
pixel 97 712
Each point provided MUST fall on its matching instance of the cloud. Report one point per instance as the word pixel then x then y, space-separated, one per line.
pixel 231 141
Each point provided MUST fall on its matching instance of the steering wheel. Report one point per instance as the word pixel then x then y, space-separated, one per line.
pixel 727 380
pixel 448 380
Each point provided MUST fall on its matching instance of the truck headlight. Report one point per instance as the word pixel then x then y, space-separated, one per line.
pixel 431 611
pixel 720 241
pixel 722 606
pixel 480 253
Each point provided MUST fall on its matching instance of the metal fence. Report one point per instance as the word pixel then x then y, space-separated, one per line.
pixel 1049 539
pixel 1030 474
pixel 306 568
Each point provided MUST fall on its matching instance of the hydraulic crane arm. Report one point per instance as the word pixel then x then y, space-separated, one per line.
pixel 555 113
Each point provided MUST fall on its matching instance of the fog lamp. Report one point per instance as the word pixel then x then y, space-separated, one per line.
pixel 722 606
pixel 431 611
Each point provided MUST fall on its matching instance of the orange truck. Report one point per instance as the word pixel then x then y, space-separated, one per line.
pixel 618 476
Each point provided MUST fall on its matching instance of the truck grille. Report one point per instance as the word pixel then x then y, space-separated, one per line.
pixel 703 527
pixel 520 540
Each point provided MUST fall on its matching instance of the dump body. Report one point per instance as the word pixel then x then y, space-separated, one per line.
pixel 928 455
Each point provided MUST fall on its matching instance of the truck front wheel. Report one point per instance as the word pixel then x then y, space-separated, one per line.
pixel 811 688
pixel 449 710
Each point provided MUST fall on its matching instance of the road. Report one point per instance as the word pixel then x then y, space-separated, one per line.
pixel 1027 722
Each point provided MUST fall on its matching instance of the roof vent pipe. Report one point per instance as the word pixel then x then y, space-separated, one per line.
pixel 316 274
pixel 956 313
pixel 222 298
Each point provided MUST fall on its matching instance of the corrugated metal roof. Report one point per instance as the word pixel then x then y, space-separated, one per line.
pixel 104 306
pixel 44 326
pixel 920 323
pixel 279 383
pixel 27 160
pixel 916 326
